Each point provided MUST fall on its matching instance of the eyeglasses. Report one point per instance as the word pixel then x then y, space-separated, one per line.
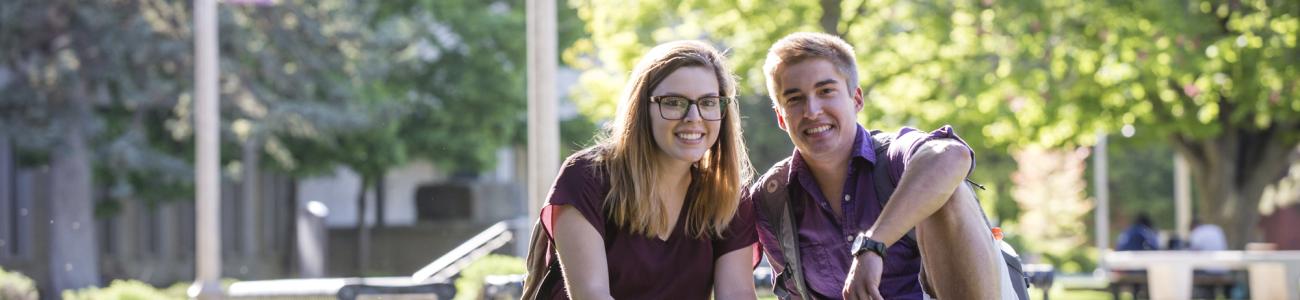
pixel 711 108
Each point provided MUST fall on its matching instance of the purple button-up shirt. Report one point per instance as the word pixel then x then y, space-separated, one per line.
pixel 824 239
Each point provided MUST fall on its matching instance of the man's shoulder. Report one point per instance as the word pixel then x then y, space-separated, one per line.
pixel 776 175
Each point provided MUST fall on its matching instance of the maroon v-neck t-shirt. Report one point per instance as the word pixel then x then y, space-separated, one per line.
pixel 642 267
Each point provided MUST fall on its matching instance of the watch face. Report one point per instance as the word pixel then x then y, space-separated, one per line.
pixel 862 244
pixel 858 243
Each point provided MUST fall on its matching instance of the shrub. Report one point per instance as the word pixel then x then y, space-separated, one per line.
pixel 121 290
pixel 471 278
pixel 14 285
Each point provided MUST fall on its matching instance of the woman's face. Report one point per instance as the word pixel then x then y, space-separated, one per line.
pixel 689 137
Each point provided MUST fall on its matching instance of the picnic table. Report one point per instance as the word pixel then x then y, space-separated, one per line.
pixel 1273 274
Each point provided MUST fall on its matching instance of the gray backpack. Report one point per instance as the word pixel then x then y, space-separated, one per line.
pixel 774 198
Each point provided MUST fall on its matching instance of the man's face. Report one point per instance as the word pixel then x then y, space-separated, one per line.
pixel 816 108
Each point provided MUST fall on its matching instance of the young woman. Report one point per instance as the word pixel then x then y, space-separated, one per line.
pixel 653 210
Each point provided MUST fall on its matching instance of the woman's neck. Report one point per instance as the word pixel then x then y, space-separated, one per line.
pixel 673 179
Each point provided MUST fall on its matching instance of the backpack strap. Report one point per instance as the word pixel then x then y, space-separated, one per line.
pixel 775 203
pixel 881 177
pixel 544 273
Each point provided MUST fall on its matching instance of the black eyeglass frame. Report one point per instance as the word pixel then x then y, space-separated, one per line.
pixel 723 101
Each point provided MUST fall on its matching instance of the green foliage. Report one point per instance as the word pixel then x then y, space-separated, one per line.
pixel 124 290
pixel 65 65
pixel 14 285
pixel 1205 75
pixel 470 282
pixel 1006 73
pixel 310 84
pixel 576 134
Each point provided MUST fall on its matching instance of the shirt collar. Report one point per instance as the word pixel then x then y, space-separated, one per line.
pixel 863 150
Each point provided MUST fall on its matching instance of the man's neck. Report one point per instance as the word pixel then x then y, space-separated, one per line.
pixel 827 167
pixel 829 173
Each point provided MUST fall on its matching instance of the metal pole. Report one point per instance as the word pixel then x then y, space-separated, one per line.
pixel 207 284
pixel 1100 181
pixel 543 124
pixel 1182 197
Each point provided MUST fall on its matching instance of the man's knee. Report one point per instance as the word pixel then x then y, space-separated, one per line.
pixel 959 213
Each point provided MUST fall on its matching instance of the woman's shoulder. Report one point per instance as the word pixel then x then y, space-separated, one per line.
pixel 588 159
pixel 585 166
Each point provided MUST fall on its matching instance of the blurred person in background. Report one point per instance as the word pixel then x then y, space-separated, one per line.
pixel 1206 237
pixel 1139 236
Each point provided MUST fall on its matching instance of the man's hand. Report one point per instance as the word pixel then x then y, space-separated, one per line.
pixel 863 281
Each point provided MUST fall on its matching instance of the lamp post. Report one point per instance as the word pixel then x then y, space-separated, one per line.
pixel 207 209
pixel 543 124
pixel 1102 213
pixel 207 134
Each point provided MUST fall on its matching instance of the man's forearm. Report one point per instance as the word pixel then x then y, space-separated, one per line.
pixel 930 179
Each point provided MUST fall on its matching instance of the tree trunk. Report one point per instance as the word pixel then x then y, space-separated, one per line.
pixel 250 187
pixel 363 233
pixel 1231 172
pixel 830 20
pixel 381 202
pixel 74 250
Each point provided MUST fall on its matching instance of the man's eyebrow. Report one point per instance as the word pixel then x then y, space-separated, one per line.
pixel 825 82
pixel 789 91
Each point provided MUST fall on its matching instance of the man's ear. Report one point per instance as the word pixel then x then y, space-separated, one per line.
pixel 857 99
pixel 780 120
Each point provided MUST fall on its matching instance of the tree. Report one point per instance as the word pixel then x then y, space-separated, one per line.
pixel 1217 79
pixel 100 93
pixel 67 105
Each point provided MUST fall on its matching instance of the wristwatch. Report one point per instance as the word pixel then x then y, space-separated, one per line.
pixel 863 243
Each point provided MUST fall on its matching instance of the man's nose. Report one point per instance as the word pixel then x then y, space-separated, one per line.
pixel 812 108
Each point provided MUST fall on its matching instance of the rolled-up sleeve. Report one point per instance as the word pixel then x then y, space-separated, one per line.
pixel 909 140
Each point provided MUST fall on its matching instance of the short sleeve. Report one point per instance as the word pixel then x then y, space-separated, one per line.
pixel 578 186
pixel 909 140
pixel 740 232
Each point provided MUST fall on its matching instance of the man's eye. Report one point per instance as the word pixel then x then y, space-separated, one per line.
pixel 828 91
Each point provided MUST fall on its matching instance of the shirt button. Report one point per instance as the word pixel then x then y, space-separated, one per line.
pixel 848 238
pixel 847 198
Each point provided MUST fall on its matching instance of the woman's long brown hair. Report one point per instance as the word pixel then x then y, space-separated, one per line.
pixel 628 150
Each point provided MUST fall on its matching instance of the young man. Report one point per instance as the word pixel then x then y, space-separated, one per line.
pixel 849 245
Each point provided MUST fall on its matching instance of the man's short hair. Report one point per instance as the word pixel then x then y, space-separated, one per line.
pixel 800 46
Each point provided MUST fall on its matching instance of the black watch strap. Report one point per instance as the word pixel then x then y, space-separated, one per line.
pixel 863 244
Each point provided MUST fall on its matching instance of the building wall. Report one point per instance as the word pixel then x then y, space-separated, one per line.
pixel 338 191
